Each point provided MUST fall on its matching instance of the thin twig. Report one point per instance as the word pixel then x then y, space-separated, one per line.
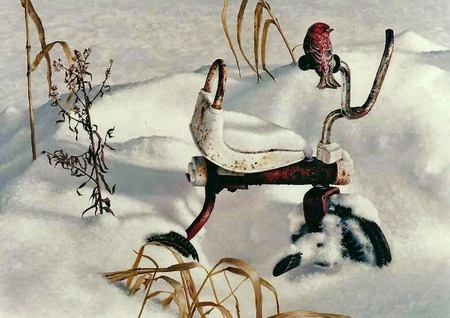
pixel 30 98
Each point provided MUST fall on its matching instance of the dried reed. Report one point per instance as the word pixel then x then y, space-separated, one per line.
pixel 188 295
pixel 261 7
pixel 30 12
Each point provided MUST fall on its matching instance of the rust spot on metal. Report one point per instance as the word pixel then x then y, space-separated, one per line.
pixel 218 65
pixel 202 218
pixel 315 206
pixel 344 171
pixel 303 172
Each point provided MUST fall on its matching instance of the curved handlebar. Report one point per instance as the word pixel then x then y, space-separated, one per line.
pixel 220 65
pixel 357 112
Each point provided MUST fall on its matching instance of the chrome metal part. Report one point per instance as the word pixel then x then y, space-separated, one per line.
pixel 197 171
pixel 357 112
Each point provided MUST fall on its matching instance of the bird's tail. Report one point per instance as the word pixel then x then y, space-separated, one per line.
pixel 328 81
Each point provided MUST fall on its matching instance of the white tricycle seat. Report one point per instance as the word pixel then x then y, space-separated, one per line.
pixel 243 143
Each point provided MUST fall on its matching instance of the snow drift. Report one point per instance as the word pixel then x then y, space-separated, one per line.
pixel 50 257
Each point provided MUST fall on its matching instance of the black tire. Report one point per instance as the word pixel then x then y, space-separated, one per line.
pixel 364 241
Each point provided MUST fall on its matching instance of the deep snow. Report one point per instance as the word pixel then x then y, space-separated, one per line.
pixel 50 257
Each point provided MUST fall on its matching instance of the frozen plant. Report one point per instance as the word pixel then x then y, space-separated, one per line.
pixel 202 295
pixel 76 112
pixel 260 7
pixel 30 13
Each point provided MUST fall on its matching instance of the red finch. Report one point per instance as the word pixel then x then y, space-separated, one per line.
pixel 317 46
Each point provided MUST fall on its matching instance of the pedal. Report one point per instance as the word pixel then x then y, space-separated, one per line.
pixel 286 264
pixel 176 241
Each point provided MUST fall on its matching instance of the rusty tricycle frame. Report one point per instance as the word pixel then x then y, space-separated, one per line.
pixel 330 167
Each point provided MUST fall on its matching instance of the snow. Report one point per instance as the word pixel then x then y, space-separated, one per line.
pixel 51 257
pixel 329 240
pixel 359 205
pixel 412 42
pixel 249 133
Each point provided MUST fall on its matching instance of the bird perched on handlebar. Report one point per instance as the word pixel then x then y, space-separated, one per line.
pixel 317 47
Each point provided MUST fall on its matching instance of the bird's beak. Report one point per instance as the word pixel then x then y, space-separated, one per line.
pixel 330 30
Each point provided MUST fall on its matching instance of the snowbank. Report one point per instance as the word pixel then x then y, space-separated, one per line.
pixel 51 258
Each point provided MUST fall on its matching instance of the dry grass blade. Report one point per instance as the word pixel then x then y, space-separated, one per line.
pixel 188 281
pixel 148 295
pixel 254 278
pixel 179 267
pixel 136 264
pixel 182 267
pixel 256 27
pixel 29 8
pixel 130 274
pixel 154 294
pixel 30 12
pixel 47 49
pixel 270 287
pixel 184 293
pixel 115 277
pixel 140 281
pixel 260 7
pixel 277 24
pixel 227 34
pixel 263 282
pixel 263 45
pixel 196 300
pixel 306 314
pixel 167 301
pixel 26 5
pixel 232 293
pixel 225 312
pixel 240 19
pixel 178 296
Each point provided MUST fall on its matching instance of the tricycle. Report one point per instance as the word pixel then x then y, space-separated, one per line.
pixel 326 211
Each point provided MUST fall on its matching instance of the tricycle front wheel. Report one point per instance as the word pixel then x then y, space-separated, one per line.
pixel 362 240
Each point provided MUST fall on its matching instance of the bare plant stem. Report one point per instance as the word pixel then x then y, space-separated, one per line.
pixel 91 137
pixel 30 98
pixel 277 24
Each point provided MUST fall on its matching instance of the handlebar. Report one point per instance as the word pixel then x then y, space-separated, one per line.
pixel 346 110
pixel 219 65
pixel 358 112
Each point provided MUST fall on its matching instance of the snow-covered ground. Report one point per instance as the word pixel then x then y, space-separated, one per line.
pixel 50 257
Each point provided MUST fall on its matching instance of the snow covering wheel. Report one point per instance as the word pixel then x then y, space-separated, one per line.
pixel 364 241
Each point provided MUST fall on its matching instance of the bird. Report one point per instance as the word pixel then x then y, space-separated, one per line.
pixel 317 47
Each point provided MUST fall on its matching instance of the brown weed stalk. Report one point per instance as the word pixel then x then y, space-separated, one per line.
pixel 30 12
pixel 91 164
pixel 261 7
pixel 190 296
